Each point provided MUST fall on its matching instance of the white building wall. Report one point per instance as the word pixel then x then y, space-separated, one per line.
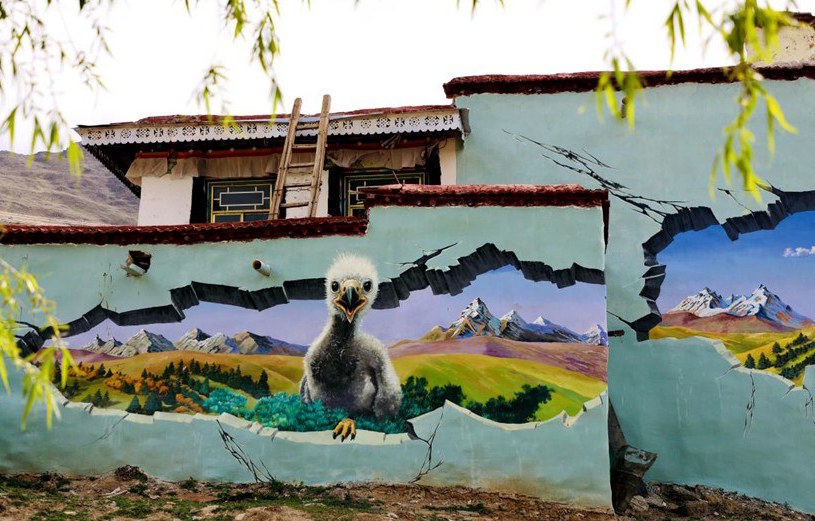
pixel 447 160
pixel 796 45
pixel 165 200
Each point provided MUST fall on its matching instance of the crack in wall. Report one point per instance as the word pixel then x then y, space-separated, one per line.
pixel 109 430
pixel 451 281
pixel 809 404
pixel 588 165
pixel 679 219
pixel 427 464
pixel 260 474
pixel 751 405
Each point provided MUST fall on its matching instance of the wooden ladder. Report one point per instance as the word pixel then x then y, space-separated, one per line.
pixel 316 165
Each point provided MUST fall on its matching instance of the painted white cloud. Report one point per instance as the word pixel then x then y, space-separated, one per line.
pixel 799 252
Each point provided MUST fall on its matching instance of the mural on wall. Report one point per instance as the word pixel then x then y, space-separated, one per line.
pixel 753 293
pixel 340 364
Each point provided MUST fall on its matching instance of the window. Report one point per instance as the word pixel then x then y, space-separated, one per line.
pixel 239 201
pixel 351 202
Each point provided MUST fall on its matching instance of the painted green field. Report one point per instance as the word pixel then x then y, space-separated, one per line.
pixel 483 377
pixel 737 343
pixel 743 345
pixel 480 377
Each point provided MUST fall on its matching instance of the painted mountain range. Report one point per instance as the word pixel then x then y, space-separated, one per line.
pixel 761 311
pixel 194 340
pixel 477 320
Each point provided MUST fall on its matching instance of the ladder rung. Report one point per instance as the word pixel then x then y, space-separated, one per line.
pixel 294 205
pixel 301 165
pixel 298 185
pixel 304 146
pixel 307 125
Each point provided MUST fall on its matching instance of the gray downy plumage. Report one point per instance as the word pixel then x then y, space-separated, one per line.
pixel 344 367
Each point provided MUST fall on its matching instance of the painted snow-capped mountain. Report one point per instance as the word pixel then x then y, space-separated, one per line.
pixel 477 320
pixel 540 330
pixel 760 311
pixel 252 343
pixel 703 304
pixel 191 340
pixel 596 335
pixel 142 342
pixel 194 340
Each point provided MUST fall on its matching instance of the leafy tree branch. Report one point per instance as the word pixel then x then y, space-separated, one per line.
pixel 20 293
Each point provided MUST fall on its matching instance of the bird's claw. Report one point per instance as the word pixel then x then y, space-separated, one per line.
pixel 347 428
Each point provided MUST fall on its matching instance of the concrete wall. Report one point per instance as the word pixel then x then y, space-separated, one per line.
pixel 742 430
pixel 562 458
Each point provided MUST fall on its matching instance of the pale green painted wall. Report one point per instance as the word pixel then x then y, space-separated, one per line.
pixel 677 398
pixel 80 277
pixel 564 459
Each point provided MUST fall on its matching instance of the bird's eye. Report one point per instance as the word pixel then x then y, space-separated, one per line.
pixel 367 285
pixel 335 286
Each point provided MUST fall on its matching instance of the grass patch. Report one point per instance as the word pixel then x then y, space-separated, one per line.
pixel 477 508
pixel 135 508
pixel 138 489
pixel 189 484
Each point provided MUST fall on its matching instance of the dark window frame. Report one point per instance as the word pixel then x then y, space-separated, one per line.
pixel 239 213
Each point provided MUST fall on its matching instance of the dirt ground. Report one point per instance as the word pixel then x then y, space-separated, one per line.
pixel 128 494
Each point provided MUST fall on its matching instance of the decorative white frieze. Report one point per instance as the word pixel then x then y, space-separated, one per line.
pixel 339 125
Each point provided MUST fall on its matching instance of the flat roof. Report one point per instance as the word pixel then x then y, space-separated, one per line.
pixel 391 195
pixel 587 81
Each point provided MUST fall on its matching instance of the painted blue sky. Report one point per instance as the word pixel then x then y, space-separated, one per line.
pixel 578 307
pixel 783 259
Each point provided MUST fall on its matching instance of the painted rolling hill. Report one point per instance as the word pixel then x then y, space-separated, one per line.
pixel 585 359
pixel 761 312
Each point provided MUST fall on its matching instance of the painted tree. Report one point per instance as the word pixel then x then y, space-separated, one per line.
pixel 135 405
pixel 750 362
pixel 263 384
pixel 763 362
pixel 152 404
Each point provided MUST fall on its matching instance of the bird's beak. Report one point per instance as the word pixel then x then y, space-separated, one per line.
pixel 350 299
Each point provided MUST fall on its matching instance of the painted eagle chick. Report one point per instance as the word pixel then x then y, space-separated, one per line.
pixel 344 367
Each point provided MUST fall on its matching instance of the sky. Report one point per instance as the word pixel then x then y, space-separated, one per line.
pixel 370 53
pixel 709 258
pixel 578 307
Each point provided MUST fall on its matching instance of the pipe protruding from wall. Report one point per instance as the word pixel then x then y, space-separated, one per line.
pixel 133 270
pixel 262 268
pixel 137 263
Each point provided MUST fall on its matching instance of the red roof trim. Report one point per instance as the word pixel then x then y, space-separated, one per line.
pixel 394 195
pixel 185 233
pixel 483 195
pixel 587 81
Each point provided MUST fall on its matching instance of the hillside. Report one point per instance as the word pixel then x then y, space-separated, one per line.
pixel 581 358
pixel 480 377
pixel 789 359
pixel 483 377
pixel 46 193
pixel 721 323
